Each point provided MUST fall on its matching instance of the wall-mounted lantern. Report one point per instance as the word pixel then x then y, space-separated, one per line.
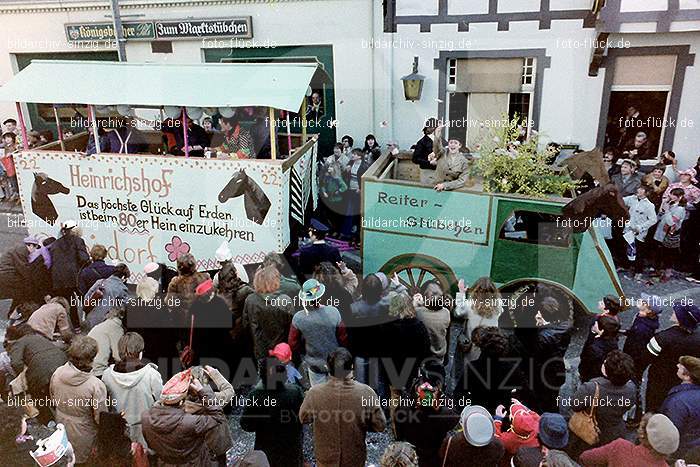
pixel 413 83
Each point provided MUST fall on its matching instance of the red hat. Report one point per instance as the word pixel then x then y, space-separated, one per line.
pixel 175 390
pixel 204 288
pixel 282 351
pixel 525 422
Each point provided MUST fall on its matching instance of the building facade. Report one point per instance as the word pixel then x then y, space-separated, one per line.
pixel 572 68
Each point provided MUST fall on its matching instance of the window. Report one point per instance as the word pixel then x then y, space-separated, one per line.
pixel 519 103
pixel 537 228
pixel 452 71
pixel 528 71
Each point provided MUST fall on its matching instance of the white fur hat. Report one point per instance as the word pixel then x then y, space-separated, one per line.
pixel 223 253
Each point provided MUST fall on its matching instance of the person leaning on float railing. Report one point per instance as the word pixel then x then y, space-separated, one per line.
pixel 451 165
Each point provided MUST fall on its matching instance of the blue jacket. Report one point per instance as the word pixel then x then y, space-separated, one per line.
pixel 682 406
pixel 92 273
pixel 638 336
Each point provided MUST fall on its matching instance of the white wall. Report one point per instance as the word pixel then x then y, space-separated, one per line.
pixel 282 24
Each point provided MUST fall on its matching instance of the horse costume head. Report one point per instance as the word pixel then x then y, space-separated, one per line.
pixel 255 201
pixel 604 199
pixel 42 205
pixel 587 162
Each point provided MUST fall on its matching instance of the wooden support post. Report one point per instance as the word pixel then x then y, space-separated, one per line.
pixel 273 134
pixel 303 121
pixel 25 141
pixel 93 124
pixel 184 130
pixel 58 128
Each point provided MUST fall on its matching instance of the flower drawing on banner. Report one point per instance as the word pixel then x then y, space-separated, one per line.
pixel 176 248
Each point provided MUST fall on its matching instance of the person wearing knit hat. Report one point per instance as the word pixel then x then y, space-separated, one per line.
pixel 658 438
pixel 179 436
pixel 476 442
pixel 553 436
pixel 666 347
pixel 682 405
pixel 283 353
pixel 524 425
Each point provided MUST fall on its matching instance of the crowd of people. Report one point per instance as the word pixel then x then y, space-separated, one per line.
pixel 149 375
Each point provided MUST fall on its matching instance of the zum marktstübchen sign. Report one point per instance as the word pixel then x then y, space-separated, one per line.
pixel 239 27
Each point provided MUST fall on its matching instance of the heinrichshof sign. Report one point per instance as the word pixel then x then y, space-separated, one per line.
pixel 238 27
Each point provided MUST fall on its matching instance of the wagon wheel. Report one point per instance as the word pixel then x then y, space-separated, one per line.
pixel 518 292
pixel 414 270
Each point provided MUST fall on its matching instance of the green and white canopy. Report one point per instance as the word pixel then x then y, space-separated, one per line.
pixel 277 85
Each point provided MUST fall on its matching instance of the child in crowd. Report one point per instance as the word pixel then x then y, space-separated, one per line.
pixel 284 354
pixel 524 426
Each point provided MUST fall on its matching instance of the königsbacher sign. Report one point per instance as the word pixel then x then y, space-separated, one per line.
pixel 238 27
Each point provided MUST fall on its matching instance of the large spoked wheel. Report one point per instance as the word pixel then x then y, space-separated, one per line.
pixel 520 297
pixel 415 270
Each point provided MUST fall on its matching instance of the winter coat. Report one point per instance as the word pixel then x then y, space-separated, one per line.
pixel 134 386
pixel 278 431
pixel 321 331
pixel 512 441
pixel 593 355
pixel 220 440
pixel 621 453
pixel 638 336
pixel 79 397
pixel 627 187
pixel 181 289
pixel 452 170
pixel 406 343
pixel 437 322
pixel 316 253
pixel 21 280
pixel 463 308
pixel 40 357
pixel 179 437
pixel 670 220
pixel 50 317
pixel 107 335
pixel 268 316
pixel 115 292
pixel 682 406
pixel 490 380
pixel 68 255
pixel 546 346
pixel 213 322
pixel 425 428
pixel 642 216
pixel 658 188
pixel 91 273
pixel 663 352
pixel 289 286
pixel 339 441
pixel 459 453
pixel 618 400
pixel 421 150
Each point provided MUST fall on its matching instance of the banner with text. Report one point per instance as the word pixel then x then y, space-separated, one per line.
pixel 156 208
pixel 424 212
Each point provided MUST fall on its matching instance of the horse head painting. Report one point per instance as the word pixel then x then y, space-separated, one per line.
pixel 256 202
pixel 604 199
pixel 42 205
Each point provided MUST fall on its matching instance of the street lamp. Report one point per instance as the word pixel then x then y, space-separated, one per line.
pixel 413 83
